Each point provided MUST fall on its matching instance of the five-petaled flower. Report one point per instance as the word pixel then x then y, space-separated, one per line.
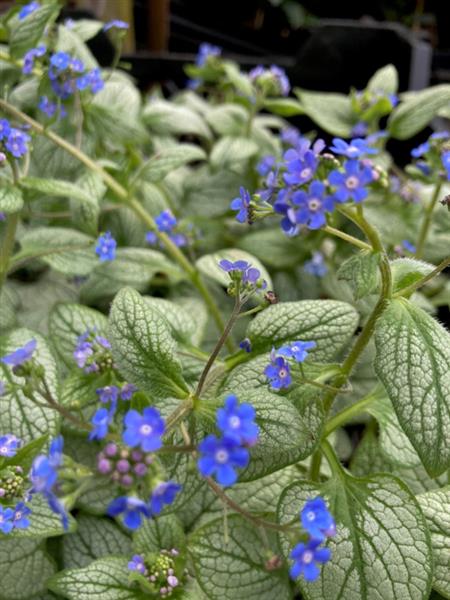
pixel 9 445
pixel 144 430
pixel 311 206
pixel 305 557
pixel 353 149
pixel 6 519
pixel 297 350
pixel 164 493
pixel 278 372
pixel 137 564
pixel 317 520
pixel 133 510
pixel 221 457
pixel 106 247
pixel 301 166
pixel 238 421
pixel 100 421
pixel 351 185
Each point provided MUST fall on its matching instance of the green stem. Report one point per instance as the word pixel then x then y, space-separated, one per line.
pixel 410 289
pixel 332 459
pixel 314 469
pixel 123 194
pixel 344 416
pixel 9 237
pixel 427 221
pixel 348 238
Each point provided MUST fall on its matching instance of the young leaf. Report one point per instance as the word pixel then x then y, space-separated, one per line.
pixel 361 271
pixel 163 533
pixel 436 508
pixel 382 545
pixel 384 80
pixel 227 571
pixel 230 152
pixel 329 323
pixel 11 199
pixel 104 578
pixel 143 347
pixel 285 107
pixel 332 112
pixel 413 354
pixel 406 271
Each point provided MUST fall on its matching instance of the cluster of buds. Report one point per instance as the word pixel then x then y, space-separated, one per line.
pixel 124 466
pixel 158 574
pixel 93 352
pixel 12 483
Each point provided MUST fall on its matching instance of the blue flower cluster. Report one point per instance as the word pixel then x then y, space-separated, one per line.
pixel 93 352
pixel 13 141
pixel 12 516
pixel 221 456
pixel 303 188
pixel 103 417
pixel 160 573
pixel 205 52
pixel 319 524
pixel 166 222
pixel 106 247
pixel 274 80
pixel 433 154
pixel 279 371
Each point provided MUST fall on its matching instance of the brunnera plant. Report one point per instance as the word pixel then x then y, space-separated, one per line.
pixel 196 302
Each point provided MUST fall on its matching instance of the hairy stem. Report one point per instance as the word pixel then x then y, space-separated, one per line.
pixel 410 289
pixel 346 237
pixel 344 416
pixel 426 223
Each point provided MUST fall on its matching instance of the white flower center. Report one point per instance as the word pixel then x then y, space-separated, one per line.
pixel 353 150
pixel 18 516
pixel 234 422
pixel 3 450
pixel 305 173
pixel 282 373
pixel 145 429
pixel 314 204
pixel 310 515
pixel 352 182
pixel 221 456
pixel 307 557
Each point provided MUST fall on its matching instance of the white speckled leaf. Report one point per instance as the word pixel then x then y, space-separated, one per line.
pixel 18 414
pixel 329 323
pixel 394 443
pixel 105 579
pixel 436 508
pixel 143 347
pixel 237 569
pixel 11 199
pixel 412 361
pixel 158 534
pixel 24 569
pixel 382 547
pixel 181 323
pixel 361 272
pixel 67 322
pixel 95 538
pixel 44 522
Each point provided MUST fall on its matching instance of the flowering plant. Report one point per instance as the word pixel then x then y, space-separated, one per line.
pixel 222 374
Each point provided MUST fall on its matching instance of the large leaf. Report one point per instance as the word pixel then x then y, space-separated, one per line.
pixel 11 199
pixel 24 569
pixel 55 187
pixel 382 546
pixel 332 112
pixel 412 361
pixel 95 538
pixel 231 152
pixel 18 414
pixel 361 271
pixel 159 534
pixel 436 508
pixel 227 571
pixel 329 323
pixel 25 33
pixel 166 161
pixel 165 118
pixel 143 347
pixel 417 111
pixel 106 578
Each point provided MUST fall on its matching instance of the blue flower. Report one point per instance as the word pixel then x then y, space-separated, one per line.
pixel 221 456
pixel 316 266
pixel 60 61
pixel 95 80
pixel 242 205
pixel 282 79
pixel 132 508
pixel 21 355
pixel 300 169
pixel 351 184
pixel 17 142
pixel 20 517
pixel 238 421
pixel 165 221
pixel 127 391
pixel 100 424
pixel 445 158
pixel 9 445
pixel 164 493
pixel 360 129
pixel 245 345
pixel 109 393
pixel 297 350
pixel 6 519
pixel 420 150
pixel 30 56
pixel 278 372
pixel 317 520
pixel 106 247
pixel 407 245
pixel 290 136
pixel 55 453
pixel 5 129
pixel 28 9
pixel 305 557
pixel 151 238
pixel 47 107
pixel 144 430
pixel 137 564
pixel 238 266
pixel 116 24
pixel 355 149
pixel 265 165
pixel 206 50
pixel 310 207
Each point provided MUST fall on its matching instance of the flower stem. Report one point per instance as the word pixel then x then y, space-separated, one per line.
pixel 427 221
pixel 351 411
pixel 348 238
pixel 123 194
